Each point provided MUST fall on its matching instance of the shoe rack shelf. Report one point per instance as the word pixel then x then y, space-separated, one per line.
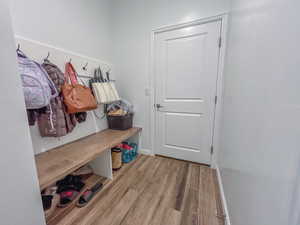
pixel 59 213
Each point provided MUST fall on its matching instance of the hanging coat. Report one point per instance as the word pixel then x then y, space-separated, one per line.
pixel 55 122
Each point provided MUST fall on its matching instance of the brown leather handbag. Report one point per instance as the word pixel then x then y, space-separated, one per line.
pixel 77 97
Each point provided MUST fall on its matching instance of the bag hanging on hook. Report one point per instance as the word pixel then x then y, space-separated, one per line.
pixel 38 88
pixel 113 90
pixel 103 88
pixel 77 97
pixel 98 87
pixel 55 115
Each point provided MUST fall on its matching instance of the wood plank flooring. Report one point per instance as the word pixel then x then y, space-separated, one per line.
pixel 154 191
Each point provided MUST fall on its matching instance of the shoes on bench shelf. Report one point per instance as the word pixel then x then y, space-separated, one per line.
pixel 68 189
pixel 50 200
pixel 84 172
pixel 88 195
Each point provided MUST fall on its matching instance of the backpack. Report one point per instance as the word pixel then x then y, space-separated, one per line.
pixel 37 87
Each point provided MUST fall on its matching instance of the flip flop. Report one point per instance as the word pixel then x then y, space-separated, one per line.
pixel 87 196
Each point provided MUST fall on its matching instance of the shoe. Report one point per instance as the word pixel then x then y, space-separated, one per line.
pixel 88 195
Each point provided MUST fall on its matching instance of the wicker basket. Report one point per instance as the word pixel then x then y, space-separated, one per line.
pixel 116 154
pixel 120 122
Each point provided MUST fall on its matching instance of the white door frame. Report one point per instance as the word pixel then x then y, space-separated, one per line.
pixel 218 111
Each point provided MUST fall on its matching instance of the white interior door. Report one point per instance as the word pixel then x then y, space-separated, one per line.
pixel 186 70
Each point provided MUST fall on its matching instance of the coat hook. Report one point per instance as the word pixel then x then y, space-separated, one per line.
pixel 85 67
pixel 19 46
pixel 47 56
pixel 70 60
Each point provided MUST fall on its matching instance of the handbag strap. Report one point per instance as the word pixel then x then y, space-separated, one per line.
pixel 97 75
pixel 95 79
pixel 71 74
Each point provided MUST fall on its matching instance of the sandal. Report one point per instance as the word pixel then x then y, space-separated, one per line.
pixel 88 195
pixel 66 197
pixel 69 188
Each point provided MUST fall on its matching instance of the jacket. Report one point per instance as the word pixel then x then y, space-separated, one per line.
pixel 55 122
pixel 37 86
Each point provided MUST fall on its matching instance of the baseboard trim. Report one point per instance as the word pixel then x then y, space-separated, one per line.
pixel 145 151
pixel 223 196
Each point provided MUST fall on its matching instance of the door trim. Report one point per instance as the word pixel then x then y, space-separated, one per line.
pixel 218 111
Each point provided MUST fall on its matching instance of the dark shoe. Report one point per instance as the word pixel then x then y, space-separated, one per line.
pixel 66 197
pixel 68 189
pixel 47 201
pixel 70 183
pixel 89 194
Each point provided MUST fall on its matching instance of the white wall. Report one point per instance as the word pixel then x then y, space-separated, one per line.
pixel 79 26
pixel 20 198
pixel 67 29
pixel 38 51
pixel 260 144
pixel 90 28
pixel 133 21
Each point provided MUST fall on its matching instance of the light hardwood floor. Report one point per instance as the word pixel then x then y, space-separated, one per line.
pixel 153 191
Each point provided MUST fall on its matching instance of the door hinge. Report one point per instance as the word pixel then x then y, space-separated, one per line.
pixel 216 100
pixel 212 149
pixel 220 42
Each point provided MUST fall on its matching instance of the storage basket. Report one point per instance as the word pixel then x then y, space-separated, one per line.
pixel 120 122
pixel 116 154
pixel 129 155
pixel 134 153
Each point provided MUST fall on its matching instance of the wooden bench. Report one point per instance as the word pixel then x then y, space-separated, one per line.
pixel 94 149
